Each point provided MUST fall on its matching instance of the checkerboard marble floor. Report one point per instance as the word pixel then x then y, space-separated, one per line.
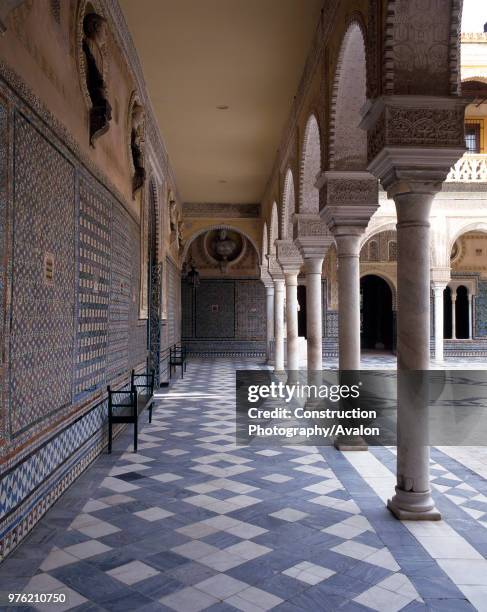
pixel 191 522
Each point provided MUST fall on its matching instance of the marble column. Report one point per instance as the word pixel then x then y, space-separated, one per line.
pixel 412 169
pixel 314 316
pixel 279 324
pixel 292 344
pixel 348 253
pixel 269 302
pixel 438 292
pixel 412 499
pixel 470 316
pixel 454 314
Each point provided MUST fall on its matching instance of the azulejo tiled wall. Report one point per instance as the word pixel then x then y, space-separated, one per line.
pixel 481 310
pixel 69 279
pixel 224 317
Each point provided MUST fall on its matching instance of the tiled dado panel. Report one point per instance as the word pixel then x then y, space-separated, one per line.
pixel 42 325
pixel 214 308
pixel 94 255
pixel 3 259
pixel 173 302
pixel 69 278
pixel 224 309
pixel 251 309
pixel 481 310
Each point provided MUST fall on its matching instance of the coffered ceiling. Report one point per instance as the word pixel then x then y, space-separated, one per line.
pixel 198 55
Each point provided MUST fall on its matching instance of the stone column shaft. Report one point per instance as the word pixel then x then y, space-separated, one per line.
pixel 470 316
pixel 292 345
pixel 438 290
pixel 412 499
pixel 279 324
pixel 269 301
pixel 454 315
pixel 348 252
pixel 314 316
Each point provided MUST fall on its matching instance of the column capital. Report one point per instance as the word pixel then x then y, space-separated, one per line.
pixel 349 198
pixel 275 270
pixel 413 141
pixel 311 235
pixel 265 277
pixel 440 277
pixel 313 265
pixel 288 256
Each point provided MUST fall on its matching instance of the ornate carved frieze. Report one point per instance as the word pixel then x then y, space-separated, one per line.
pixel 414 121
pixel 311 235
pixel 220 209
pixel 351 198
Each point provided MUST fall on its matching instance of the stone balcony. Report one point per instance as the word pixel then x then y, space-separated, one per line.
pixel 471 168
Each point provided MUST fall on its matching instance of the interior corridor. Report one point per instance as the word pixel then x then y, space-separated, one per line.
pixel 192 522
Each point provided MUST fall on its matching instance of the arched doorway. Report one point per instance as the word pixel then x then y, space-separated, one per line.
pixel 461 313
pixel 377 328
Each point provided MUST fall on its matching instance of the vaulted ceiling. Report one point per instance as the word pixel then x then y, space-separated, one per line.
pixel 198 55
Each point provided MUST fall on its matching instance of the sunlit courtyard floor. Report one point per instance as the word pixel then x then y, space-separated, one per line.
pixel 192 522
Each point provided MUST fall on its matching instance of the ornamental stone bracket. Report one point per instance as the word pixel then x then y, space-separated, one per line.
pixel 311 235
pixel 350 199
pixel 275 270
pixel 414 140
pixel 288 256
pixel 265 276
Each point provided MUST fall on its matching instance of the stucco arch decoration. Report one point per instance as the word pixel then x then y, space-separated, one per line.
pixel 309 196
pixel 273 229
pixel 265 242
pixel 374 230
pixel 471 226
pixel 288 207
pixel 348 142
pixel 220 226
pixel 421 47
pixel 85 6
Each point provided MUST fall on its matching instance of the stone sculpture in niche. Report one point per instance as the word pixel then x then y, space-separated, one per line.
pixel 94 41
pixel 225 249
pixel 173 215
pixel 136 143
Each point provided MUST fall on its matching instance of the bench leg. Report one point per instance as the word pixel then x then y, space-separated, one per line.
pixel 150 413
pixel 182 370
pixel 136 432
pixel 110 436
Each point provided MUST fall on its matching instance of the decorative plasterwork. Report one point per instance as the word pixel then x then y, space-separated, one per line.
pixel 311 235
pixel 220 209
pixel 350 198
pixel 414 121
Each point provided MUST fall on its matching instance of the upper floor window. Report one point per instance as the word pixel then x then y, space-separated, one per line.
pixel 474 135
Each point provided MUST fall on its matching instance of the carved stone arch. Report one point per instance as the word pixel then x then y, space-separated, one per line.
pixel 154 201
pixel 84 7
pixel 288 206
pixel 220 226
pixel 469 226
pixel 387 226
pixel 273 229
pixel 347 141
pixel 309 196
pixel 385 277
pixel 265 242
pixel 421 47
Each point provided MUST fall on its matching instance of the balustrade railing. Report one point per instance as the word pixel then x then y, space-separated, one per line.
pixel 471 168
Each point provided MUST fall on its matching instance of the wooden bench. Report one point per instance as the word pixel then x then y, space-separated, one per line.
pixel 125 406
pixel 177 357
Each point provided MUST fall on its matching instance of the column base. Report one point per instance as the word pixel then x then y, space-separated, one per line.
pixel 411 506
pixel 352 443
